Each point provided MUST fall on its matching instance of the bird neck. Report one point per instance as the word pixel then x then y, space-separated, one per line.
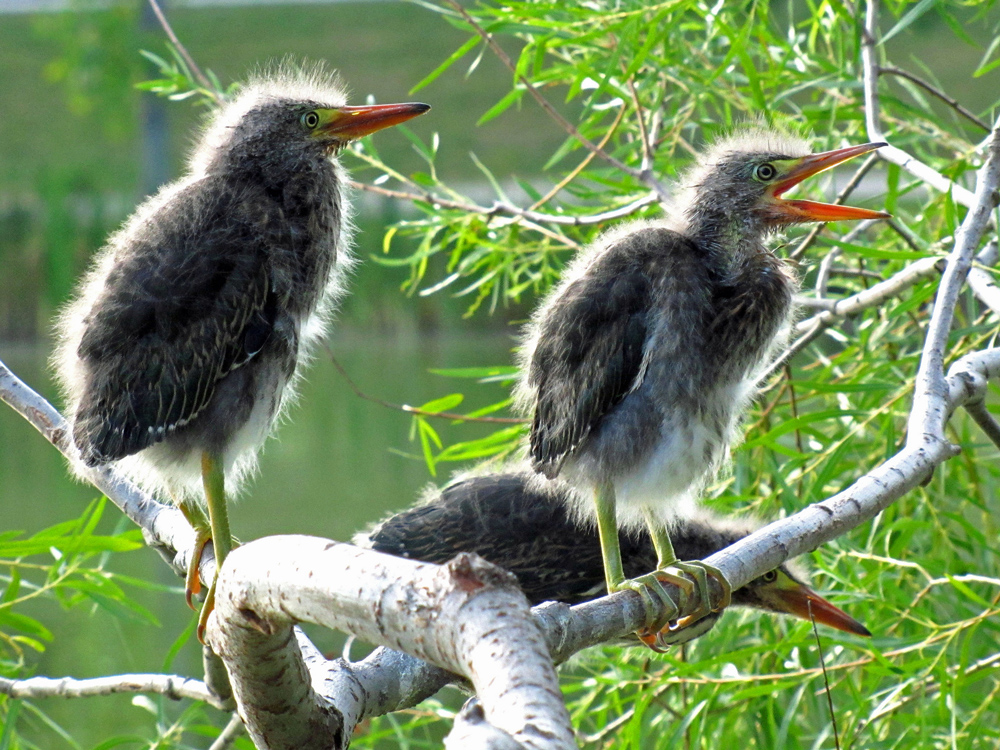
pixel 272 169
pixel 729 237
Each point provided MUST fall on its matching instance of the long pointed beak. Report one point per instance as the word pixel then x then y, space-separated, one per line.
pixel 803 602
pixel 800 210
pixel 348 123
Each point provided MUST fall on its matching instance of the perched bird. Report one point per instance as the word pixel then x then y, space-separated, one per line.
pixel 637 367
pixel 525 524
pixel 185 338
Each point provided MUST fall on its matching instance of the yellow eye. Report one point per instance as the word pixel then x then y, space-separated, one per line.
pixel 765 172
pixel 772 575
pixel 310 120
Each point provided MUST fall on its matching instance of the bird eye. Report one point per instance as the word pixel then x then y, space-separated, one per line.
pixel 310 120
pixel 765 172
pixel 772 575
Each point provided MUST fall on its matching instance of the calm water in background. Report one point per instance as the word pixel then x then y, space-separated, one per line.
pixel 332 471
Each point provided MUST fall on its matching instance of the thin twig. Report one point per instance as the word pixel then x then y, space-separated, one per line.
pixel 234 729
pixel 826 678
pixel 544 103
pixel 504 208
pixel 982 417
pixel 934 91
pixel 870 74
pixel 412 409
pixel 192 65
pixel 170 686
pixel 579 167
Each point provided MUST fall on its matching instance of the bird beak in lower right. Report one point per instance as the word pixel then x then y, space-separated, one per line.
pixel 349 123
pixel 802 601
pixel 793 211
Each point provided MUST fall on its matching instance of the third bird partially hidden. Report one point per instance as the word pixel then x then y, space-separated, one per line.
pixel 638 366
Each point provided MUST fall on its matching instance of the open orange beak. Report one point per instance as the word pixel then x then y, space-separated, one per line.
pixel 803 602
pixel 795 211
pixel 349 123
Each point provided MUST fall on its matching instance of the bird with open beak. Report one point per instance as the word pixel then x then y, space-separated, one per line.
pixel 638 366
pixel 185 338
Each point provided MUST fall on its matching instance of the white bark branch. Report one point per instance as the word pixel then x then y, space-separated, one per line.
pixel 468 617
pixel 174 687
pixel 981 281
pixel 769 547
pixel 870 71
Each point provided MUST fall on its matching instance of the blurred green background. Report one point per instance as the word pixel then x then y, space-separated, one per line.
pixel 80 146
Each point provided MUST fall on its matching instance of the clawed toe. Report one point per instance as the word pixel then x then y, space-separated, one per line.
pixel 663 629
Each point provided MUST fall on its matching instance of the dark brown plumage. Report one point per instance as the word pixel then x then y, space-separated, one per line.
pixel 638 366
pixel 524 524
pixel 186 336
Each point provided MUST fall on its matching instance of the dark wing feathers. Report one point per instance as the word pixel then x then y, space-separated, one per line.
pixel 188 304
pixel 588 356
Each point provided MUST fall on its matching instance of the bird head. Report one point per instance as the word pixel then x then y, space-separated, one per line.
pixel 290 115
pixel 736 190
pixel 781 591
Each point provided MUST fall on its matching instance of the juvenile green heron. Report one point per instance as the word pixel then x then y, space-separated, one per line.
pixel 524 523
pixel 638 365
pixel 186 337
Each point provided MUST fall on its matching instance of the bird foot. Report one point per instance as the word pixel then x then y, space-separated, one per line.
pixel 666 629
pixel 192 583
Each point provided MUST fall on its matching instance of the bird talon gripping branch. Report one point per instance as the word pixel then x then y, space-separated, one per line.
pixel 638 366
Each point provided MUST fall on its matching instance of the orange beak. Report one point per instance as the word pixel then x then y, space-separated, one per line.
pixel 796 211
pixel 349 123
pixel 803 602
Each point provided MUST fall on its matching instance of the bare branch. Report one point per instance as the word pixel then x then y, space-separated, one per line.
pixel 192 65
pixel 769 547
pixel 982 282
pixel 167 685
pixel 502 208
pixel 870 71
pixel 936 92
pixel 930 374
pixel 229 735
pixel 468 617
pixel 982 417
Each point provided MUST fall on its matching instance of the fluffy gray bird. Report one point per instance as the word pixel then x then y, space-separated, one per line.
pixel 186 337
pixel 524 523
pixel 639 364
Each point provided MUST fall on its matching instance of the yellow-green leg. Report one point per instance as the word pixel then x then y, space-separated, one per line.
pixel 213 478
pixel 667 568
pixel 660 608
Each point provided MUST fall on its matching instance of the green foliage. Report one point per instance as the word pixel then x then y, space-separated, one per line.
pixel 65 563
pixel 638 87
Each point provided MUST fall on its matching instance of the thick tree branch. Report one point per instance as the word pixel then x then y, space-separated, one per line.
pixel 468 617
pixel 769 547
pixel 929 385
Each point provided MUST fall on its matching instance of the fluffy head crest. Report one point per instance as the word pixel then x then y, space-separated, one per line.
pixel 305 82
